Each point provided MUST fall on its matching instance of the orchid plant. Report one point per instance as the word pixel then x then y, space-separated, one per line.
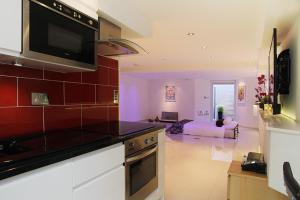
pixel 261 90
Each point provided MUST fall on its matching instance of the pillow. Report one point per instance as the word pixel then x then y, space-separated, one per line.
pixel 231 125
pixel 227 120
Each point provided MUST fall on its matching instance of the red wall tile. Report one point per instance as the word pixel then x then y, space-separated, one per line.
pixel 101 76
pixel 107 62
pixel 105 95
pixel 113 77
pixel 94 115
pixel 20 121
pixel 70 77
pixel 52 88
pixel 80 93
pixel 8 91
pixel 60 117
pixel 11 70
pixel 82 89
pixel 113 113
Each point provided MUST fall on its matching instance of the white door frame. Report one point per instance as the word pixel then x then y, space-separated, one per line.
pixel 212 95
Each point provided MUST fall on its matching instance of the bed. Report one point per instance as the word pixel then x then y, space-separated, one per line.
pixel 209 129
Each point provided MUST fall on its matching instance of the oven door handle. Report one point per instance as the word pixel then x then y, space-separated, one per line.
pixel 141 156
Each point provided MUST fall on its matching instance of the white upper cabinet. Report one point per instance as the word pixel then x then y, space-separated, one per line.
pixel 11 26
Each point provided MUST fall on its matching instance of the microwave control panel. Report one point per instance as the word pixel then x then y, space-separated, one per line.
pixel 66 10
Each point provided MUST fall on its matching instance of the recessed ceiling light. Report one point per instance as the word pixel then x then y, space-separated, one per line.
pixel 204 47
pixel 190 34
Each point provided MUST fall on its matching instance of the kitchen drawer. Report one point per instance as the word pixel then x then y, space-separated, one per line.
pixel 110 186
pixel 89 166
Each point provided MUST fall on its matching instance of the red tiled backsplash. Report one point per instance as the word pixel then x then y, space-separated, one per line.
pixel 76 99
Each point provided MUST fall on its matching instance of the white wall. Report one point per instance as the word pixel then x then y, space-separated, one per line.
pixel 142 99
pixel 134 98
pixel 203 99
pixel 185 98
pixel 245 112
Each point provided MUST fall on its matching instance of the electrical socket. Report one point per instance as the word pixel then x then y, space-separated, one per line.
pixel 116 96
pixel 39 99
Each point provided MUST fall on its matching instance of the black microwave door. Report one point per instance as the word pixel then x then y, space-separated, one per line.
pixel 57 35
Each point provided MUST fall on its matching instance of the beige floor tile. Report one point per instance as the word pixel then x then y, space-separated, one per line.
pixel 196 167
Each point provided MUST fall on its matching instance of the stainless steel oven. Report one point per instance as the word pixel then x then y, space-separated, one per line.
pixel 141 166
pixel 58 34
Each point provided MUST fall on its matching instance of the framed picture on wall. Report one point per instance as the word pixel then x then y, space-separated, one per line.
pixel 170 94
pixel 241 94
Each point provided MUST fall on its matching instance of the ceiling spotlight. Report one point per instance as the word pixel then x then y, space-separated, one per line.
pixel 190 34
pixel 204 47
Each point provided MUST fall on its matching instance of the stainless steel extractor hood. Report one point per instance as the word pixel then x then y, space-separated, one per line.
pixel 110 42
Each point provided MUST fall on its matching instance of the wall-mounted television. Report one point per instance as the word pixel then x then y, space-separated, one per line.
pixel 284 72
pixel 273 74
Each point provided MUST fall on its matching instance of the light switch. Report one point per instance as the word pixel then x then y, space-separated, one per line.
pixel 116 96
pixel 39 99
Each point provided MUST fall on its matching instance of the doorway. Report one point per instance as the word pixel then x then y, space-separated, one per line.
pixel 223 94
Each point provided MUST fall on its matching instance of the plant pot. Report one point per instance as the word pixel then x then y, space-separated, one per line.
pixel 261 105
pixel 219 123
pixel 220 115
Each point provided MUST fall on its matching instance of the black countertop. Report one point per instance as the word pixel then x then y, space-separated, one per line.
pixel 23 154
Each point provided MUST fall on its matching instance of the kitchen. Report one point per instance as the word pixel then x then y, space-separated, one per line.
pixel 61 138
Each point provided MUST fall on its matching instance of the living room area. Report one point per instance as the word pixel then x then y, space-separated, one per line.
pixel 193 99
pixel 230 66
pixel 201 160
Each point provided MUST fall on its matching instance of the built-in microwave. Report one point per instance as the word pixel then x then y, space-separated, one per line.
pixel 58 34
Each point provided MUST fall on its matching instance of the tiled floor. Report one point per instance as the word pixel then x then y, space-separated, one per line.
pixel 196 167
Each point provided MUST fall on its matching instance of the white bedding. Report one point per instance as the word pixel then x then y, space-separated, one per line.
pixel 207 129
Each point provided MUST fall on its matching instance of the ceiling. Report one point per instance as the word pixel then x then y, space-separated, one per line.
pixel 228 36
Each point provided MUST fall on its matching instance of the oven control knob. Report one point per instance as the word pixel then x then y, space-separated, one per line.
pixel 54 4
pixel 75 14
pixel 146 141
pixel 152 139
pixel 90 22
pixel 79 16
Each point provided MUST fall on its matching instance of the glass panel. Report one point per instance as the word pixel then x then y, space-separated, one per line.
pixel 61 38
pixel 142 172
pixel 223 95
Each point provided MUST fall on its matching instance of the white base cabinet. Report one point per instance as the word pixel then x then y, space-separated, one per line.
pixel 79 178
pixel 53 182
pixel 98 175
pixel 110 186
